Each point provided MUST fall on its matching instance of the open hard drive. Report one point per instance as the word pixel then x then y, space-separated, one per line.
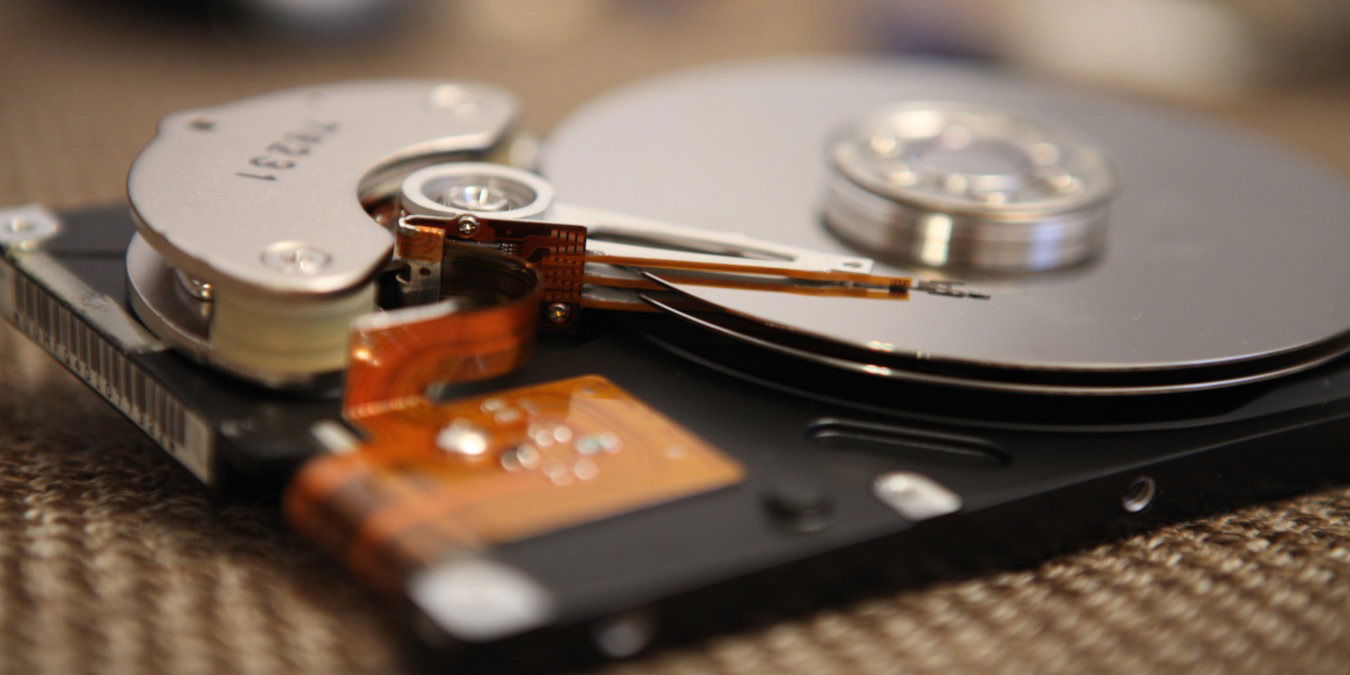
pixel 732 321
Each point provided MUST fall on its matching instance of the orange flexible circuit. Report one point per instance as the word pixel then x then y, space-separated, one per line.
pixel 434 479
pixel 557 251
pixel 428 479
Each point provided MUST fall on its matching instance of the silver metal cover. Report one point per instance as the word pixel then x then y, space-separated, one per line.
pixel 262 196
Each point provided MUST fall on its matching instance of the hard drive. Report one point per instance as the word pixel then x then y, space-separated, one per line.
pixel 733 326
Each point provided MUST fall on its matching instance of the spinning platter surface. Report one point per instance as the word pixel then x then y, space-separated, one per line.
pixel 1223 261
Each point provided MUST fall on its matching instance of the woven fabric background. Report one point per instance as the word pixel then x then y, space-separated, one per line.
pixel 113 560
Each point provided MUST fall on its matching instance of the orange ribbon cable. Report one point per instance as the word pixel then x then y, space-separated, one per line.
pixel 428 479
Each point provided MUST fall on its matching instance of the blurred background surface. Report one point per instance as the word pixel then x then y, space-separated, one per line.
pixel 83 80
pixel 112 560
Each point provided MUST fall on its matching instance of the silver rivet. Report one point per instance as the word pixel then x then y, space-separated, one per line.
pixel 201 290
pixel 293 257
pixel 467 225
pixel 558 313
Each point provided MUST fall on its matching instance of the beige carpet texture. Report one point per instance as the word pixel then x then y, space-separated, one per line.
pixel 114 560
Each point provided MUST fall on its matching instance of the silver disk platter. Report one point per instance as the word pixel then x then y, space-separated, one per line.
pixel 1220 259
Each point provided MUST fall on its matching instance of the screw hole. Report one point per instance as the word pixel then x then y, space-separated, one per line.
pixel 1139 495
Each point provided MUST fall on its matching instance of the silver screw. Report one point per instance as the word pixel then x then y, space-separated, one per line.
pixel 201 290
pixel 467 226
pixel 25 231
pixel 558 313
pixel 292 257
